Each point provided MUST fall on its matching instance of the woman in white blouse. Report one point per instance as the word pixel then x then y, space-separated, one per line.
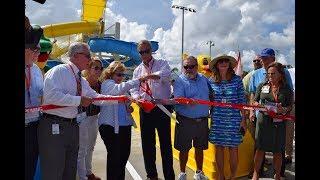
pixel 115 121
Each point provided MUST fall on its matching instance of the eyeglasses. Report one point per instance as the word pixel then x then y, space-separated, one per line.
pixel 223 61
pixel 189 66
pixel 120 74
pixel 88 56
pixel 97 68
pixel 256 60
pixel 147 51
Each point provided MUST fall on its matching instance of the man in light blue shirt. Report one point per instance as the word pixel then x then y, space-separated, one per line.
pixel 193 119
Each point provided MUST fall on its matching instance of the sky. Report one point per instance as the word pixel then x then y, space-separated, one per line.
pixel 247 25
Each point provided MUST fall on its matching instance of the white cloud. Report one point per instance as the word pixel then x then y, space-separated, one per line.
pixel 251 25
pixel 232 23
pixel 129 31
pixel 282 59
pixel 53 11
pixel 286 38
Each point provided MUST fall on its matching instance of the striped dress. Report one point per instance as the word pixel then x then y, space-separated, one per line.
pixel 225 122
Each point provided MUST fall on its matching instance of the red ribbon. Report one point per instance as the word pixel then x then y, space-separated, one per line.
pixel 147 106
pixel 51 106
pixel 234 106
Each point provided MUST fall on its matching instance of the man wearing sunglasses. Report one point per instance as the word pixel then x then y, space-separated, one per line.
pixel 158 87
pixel 193 120
pixel 33 95
pixel 59 128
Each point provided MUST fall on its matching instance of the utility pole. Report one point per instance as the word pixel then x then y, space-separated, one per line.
pixel 182 34
pixel 211 43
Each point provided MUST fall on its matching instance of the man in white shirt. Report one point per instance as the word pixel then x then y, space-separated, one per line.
pixel 159 88
pixel 59 130
pixel 33 93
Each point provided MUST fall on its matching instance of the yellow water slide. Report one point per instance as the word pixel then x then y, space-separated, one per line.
pixel 69 28
pixel 91 23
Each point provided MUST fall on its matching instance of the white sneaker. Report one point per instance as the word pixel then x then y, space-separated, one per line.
pixel 200 176
pixel 182 176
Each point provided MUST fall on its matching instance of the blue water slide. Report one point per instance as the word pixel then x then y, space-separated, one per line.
pixel 111 45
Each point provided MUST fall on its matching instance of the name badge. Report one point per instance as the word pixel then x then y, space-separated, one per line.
pixel 277 120
pixel 55 129
pixel 265 89
pixel 224 100
pixel 81 117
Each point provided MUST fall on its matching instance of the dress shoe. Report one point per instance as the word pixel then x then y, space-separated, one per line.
pixel 93 177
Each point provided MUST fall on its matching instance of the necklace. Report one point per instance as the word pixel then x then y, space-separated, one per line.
pixel 275 91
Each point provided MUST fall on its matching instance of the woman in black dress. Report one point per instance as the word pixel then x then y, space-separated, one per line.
pixel 270 132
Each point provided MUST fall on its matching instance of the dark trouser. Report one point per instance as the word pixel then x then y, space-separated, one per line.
pixel 261 172
pixel 58 152
pixel 283 165
pixel 118 147
pixel 156 119
pixel 31 150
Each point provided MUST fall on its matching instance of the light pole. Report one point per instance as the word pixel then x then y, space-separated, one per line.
pixel 211 43
pixel 183 9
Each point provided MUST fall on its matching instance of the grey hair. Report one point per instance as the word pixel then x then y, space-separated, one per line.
pixel 145 42
pixel 77 47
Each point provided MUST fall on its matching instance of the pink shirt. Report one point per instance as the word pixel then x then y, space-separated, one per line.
pixel 160 88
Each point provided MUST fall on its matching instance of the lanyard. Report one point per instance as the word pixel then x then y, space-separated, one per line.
pixel 78 88
pixel 78 81
pixel 28 82
pixel 147 88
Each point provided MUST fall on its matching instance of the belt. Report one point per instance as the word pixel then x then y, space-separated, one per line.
pixel 59 117
pixel 192 119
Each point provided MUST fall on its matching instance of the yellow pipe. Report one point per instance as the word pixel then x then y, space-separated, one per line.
pixel 63 29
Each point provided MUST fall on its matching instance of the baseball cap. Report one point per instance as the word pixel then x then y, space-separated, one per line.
pixel 267 52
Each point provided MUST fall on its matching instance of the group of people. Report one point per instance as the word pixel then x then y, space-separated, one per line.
pixel 64 138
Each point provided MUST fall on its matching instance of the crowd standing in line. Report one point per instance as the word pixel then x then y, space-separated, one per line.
pixel 65 137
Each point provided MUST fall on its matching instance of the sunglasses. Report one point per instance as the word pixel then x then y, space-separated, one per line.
pixel 88 56
pixel 120 74
pixel 97 68
pixel 147 51
pixel 189 66
pixel 256 60
pixel 223 61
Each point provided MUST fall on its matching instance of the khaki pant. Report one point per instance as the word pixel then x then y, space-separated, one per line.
pixel 290 134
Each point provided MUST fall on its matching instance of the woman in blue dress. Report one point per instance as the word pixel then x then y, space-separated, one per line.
pixel 226 122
